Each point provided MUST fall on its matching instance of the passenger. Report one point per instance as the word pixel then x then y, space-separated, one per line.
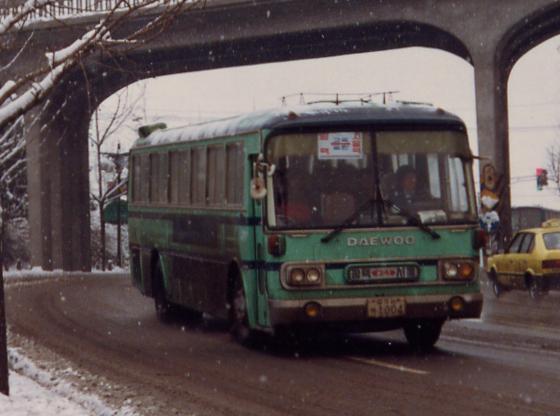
pixel 298 208
pixel 294 207
pixel 406 193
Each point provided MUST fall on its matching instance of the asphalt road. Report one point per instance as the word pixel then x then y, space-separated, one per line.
pixel 508 364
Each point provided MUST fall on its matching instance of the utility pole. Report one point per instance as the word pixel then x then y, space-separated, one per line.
pixel 4 385
pixel 119 172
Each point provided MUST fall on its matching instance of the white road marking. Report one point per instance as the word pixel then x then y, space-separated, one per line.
pixel 378 363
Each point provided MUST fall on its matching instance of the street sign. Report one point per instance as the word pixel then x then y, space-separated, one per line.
pixel 111 212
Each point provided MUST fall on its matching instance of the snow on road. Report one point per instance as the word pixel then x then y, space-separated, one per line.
pixel 38 391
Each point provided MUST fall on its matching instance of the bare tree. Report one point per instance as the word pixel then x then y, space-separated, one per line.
pixel 101 132
pixel 20 95
pixel 4 385
pixel 33 87
pixel 553 164
pixel 13 171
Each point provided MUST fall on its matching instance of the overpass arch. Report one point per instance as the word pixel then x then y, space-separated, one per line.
pixel 493 64
pixel 61 216
pixel 337 41
pixel 529 34
pixel 526 34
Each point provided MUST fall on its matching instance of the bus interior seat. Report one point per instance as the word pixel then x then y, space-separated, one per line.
pixel 388 185
pixel 337 206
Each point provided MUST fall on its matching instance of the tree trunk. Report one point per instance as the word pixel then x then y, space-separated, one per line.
pixel 98 144
pixel 4 385
pixel 102 236
pixel 119 254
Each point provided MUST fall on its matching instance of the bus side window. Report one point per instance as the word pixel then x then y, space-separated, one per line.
pixel 174 179
pixel 163 178
pixel 154 188
pixel 185 177
pixel 198 176
pixel 234 176
pixel 144 178
pixel 216 176
pixel 137 179
pixel 180 183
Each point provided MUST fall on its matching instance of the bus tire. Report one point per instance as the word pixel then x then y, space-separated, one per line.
pixel 165 310
pixel 238 315
pixel 422 335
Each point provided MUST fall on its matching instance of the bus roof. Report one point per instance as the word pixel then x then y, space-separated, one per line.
pixel 310 115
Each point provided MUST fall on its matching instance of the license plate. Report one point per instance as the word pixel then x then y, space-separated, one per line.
pixel 386 307
pixel 368 274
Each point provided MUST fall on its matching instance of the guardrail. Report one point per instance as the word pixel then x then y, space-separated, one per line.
pixel 68 8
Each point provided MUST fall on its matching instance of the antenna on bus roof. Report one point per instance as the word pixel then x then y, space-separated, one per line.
pixel 339 97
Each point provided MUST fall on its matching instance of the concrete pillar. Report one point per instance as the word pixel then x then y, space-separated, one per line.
pixel 493 140
pixel 58 183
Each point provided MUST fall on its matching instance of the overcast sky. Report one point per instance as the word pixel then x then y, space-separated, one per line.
pixel 419 74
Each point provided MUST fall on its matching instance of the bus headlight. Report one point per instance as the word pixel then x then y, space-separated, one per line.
pixel 311 275
pixel 297 277
pixel 457 270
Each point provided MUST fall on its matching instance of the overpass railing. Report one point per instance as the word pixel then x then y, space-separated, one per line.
pixel 61 9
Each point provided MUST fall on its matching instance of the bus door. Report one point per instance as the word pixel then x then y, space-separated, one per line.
pixel 258 198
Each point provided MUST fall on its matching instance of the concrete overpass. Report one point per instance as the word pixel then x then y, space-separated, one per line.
pixel 491 36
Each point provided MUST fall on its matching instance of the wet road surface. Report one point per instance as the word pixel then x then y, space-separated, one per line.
pixel 508 364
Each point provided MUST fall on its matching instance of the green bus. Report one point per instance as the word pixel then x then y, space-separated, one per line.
pixel 331 216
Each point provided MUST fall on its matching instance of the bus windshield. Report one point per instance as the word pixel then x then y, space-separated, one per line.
pixel 375 179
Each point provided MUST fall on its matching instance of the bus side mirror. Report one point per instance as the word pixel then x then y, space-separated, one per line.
pixel 258 183
pixel 258 188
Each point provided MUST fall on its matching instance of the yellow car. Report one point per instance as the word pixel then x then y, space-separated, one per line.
pixel 531 262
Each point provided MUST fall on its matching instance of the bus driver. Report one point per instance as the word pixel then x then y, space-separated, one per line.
pixel 406 193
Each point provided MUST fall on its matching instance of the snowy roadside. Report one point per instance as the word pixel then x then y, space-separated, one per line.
pixel 38 273
pixel 28 398
pixel 42 383
pixel 38 391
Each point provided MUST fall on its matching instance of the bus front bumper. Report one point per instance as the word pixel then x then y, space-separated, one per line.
pixel 288 312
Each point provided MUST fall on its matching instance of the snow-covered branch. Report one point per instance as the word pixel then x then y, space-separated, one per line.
pixel 61 61
pixel 29 7
pixel 21 94
pixel 72 51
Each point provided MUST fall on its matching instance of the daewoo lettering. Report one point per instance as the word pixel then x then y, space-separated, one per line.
pixel 381 241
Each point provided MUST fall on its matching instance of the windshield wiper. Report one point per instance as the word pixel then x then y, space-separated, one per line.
pixel 349 220
pixel 413 219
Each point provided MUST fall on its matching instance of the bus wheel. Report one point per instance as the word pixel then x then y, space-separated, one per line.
pixel 164 309
pixel 239 319
pixel 422 335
